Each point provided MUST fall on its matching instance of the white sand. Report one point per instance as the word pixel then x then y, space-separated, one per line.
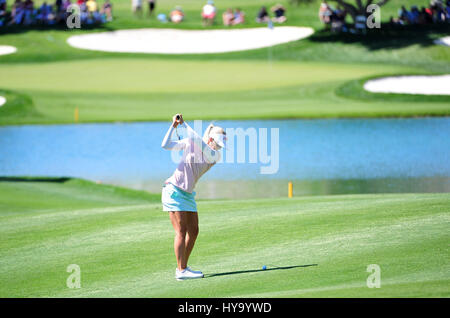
pixel 443 41
pixel 2 101
pixel 426 85
pixel 7 49
pixel 172 41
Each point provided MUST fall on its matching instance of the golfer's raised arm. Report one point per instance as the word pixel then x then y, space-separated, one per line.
pixel 169 144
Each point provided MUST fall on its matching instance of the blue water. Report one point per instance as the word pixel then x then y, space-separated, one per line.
pixel 308 150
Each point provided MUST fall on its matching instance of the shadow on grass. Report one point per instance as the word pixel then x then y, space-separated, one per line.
pixel 257 270
pixel 35 179
pixel 387 36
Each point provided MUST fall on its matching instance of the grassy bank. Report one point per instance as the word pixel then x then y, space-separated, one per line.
pixel 313 246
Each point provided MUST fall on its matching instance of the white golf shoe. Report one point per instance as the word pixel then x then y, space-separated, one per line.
pixel 187 273
pixel 191 270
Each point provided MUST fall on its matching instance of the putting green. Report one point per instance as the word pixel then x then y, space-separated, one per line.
pixel 173 76
pixel 312 246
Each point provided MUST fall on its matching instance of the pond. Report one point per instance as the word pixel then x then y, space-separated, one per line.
pixel 323 156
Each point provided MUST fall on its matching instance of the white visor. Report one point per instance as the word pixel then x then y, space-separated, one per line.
pixel 220 139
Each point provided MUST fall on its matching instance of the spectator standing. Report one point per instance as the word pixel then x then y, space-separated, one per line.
pixel 58 6
pixel 44 13
pixel 28 12
pixel 65 5
pixel 15 10
pixel 325 13
pixel 107 10
pixel 151 7
pixel 59 13
pixel 136 6
pixel 84 14
pixel 208 13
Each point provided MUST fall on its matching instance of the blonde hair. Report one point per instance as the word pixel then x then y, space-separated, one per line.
pixel 210 130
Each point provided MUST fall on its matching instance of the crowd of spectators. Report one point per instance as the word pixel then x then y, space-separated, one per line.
pixel 24 12
pixel 436 12
pixel 332 18
pixel 230 16
pixel 233 18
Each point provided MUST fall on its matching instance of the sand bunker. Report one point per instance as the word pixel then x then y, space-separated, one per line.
pixel 443 41
pixel 7 49
pixel 426 85
pixel 2 101
pixel 171 41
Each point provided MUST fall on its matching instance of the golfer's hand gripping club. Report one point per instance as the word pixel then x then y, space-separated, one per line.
pixel 177 120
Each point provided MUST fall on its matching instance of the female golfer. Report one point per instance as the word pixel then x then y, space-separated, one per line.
pixel 178 197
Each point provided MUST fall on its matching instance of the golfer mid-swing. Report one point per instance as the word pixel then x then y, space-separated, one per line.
pixel 178 195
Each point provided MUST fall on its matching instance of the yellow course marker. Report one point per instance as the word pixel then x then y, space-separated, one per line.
pixel 75 115
pixel 290 189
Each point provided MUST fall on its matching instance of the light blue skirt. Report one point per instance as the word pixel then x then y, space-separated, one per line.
pixel 175 199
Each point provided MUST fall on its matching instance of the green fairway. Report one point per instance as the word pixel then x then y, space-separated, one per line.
pixel 313 246
pixel 309 78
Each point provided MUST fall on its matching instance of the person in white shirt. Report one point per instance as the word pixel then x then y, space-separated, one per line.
pixel 136 6
pixel 208 13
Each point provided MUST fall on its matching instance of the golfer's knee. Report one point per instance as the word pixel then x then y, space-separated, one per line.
pixel 194 232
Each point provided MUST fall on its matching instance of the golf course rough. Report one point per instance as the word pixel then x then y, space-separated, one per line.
pixel 123 244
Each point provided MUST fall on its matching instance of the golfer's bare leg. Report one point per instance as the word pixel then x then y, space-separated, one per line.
pixel 179 222
pixel 191 233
